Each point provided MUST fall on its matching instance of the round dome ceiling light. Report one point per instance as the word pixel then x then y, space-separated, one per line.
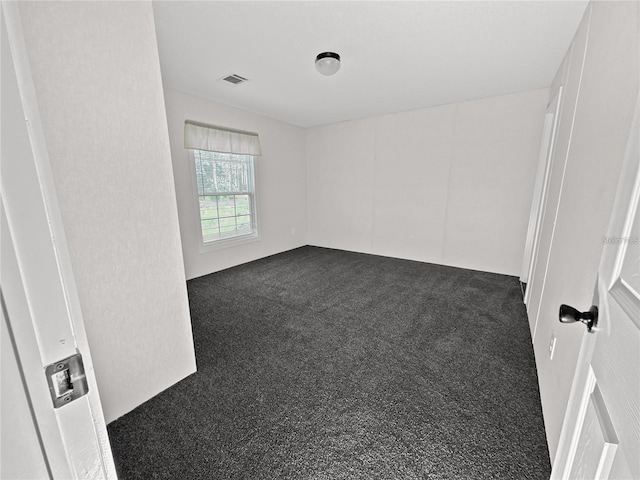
pixel 328 63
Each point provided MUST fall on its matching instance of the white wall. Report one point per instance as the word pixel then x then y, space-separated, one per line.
pixel 450 184
pixel 280 176
pixel 97 78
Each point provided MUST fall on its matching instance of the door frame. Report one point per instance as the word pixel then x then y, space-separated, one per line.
pixel 46 324
pixel 539 198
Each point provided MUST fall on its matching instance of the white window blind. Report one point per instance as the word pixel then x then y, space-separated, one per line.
pixel 200 136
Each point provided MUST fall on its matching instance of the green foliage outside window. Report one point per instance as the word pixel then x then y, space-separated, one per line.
pixel 225 191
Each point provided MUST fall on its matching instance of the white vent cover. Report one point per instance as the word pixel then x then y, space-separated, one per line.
pixel 234 79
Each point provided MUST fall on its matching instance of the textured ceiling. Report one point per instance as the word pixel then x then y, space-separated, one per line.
pixel 396 56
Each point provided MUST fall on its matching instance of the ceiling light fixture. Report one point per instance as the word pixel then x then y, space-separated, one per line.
pixel 328 63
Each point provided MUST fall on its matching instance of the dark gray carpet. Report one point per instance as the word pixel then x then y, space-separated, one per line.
pixel 325 364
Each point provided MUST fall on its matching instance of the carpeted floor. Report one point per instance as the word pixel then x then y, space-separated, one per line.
pixel 324 364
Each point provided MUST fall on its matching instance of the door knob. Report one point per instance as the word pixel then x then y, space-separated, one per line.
pixel 568 314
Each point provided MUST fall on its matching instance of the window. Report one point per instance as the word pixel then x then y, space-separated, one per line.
pixel 224 189
pixel 226 196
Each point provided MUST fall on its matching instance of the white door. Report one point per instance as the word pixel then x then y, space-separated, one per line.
pixel 41 319
pixel 600 437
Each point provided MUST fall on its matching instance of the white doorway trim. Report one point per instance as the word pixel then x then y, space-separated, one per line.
pixel 38 287
pixel 540 188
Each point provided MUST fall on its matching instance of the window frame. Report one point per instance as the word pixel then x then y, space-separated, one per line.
pixel 221 243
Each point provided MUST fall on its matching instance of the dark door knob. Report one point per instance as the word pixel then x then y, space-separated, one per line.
pixel 569 314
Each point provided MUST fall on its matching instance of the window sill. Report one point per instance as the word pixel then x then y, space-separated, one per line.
pixel 228 243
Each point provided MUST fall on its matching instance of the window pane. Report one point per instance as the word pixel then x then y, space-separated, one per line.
pixel 204 172
pixel 209 228
pixel 208 207
pixel 226 206
pixel 218 173
pixel 225 188
pixel 222 177
pixel 209 224
pixel 227 223
pixel 244 223
pixel 242 205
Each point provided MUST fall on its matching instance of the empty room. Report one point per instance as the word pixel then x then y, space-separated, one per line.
pixel 320 239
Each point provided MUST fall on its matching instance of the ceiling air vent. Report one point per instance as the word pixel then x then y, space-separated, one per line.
pixel 234 79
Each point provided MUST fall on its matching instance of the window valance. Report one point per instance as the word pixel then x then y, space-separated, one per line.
pixel 200 136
